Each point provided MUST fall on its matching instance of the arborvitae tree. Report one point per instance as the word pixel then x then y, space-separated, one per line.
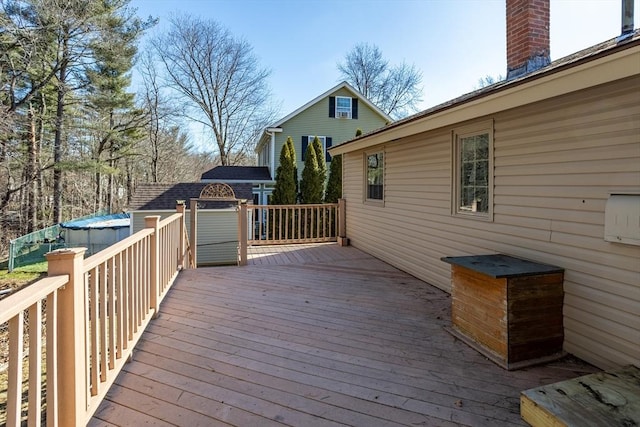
pixel 294 159
pixel 322 163
pixel 284 192
pixel 334 185
pixel 311 184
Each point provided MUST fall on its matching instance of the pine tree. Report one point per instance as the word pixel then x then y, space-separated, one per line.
pixel 284 192
pixel 311 185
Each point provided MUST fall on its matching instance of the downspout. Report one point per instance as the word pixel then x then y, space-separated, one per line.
pixel 272 133
pixel 272 155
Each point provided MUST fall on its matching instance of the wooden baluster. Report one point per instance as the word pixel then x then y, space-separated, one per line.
pixel 35 365
pixel 153 222
pixel 16 353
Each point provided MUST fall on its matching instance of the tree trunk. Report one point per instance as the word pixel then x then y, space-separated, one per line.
pixel 110 189
pixel 57 141
pixel 31 172
pixel 129 182
pixel 98 199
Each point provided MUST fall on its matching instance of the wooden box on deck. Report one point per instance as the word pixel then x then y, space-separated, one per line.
pixel 510 310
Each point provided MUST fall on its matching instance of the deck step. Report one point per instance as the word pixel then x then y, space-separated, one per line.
pixel 610 398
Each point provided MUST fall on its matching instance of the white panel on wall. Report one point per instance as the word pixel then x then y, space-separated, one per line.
pixel 622 219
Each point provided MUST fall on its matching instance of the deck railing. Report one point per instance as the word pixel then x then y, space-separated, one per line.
pixel 283 224
pixel 96 310
pixel 287 224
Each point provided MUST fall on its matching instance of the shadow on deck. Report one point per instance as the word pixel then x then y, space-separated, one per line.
pixel 312 335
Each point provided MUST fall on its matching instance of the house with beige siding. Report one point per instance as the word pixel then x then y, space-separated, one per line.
pixel 333 117
pixel 544 166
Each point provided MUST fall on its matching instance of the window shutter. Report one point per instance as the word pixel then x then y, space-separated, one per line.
pixel 328 142
pixel 354 108
pixel 332 106
pixel 305 142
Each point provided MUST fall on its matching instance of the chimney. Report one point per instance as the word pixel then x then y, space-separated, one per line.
pixel 527 36
pixel 627 17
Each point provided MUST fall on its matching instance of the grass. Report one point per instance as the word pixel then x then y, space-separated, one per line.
pixel 22 276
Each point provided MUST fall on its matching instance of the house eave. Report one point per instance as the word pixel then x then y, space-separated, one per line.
pixel 563 80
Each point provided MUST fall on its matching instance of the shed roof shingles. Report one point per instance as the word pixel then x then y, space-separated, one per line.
pixel 238 173
pixel 164 196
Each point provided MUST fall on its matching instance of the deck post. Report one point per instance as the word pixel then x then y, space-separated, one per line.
pixel 180 208
pixel 342 223
pixel 242 233
pixel 72 358
pixel 193 240
pixel 153 221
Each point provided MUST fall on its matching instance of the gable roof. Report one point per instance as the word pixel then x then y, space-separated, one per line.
pixel 234 174
pixel 343 85
pixel 598 63
pixel 164 196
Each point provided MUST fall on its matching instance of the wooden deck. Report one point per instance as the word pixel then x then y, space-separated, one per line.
pixel 312 335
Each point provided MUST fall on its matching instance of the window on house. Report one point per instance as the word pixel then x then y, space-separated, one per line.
pixel 343 107
pixel 473 172
pixel 326 142
pixel 375 176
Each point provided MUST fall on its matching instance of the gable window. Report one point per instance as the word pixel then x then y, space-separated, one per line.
pixel 343 107
pixel 473 166
pixel 375 176
pixel 326 142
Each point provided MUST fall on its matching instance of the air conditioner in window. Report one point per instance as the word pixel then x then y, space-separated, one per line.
pixel 344 115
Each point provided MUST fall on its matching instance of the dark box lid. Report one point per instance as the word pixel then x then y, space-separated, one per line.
pixel 501 266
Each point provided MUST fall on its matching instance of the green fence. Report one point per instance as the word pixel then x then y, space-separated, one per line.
pixel 30 248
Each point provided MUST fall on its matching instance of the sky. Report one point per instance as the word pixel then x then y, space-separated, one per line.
pixel 453 43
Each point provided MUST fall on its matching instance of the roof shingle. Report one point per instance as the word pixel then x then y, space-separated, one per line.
pixel 238 173
pixel 164 196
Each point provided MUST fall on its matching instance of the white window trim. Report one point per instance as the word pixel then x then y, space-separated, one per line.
pixel 347 114
pixel 365 189
pixel 465 132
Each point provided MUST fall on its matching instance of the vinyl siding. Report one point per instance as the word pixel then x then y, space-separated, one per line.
pixel 315 120
pixel 217 233
pixel 555 164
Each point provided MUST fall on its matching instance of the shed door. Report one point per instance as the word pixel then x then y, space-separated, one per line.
pixel 217 237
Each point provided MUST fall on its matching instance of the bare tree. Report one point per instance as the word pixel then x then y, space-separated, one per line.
pixel 394 89
pixel 222 81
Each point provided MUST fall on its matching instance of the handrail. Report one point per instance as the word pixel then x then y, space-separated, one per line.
pixel 96 310
pixel 112 250
pixel 28 296
pixel 169 220
pixel 285 224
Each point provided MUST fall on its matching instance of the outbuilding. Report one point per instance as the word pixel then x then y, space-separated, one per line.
pixel 217 239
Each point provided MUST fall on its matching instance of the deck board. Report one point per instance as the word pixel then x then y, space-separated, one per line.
pixel 313 335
